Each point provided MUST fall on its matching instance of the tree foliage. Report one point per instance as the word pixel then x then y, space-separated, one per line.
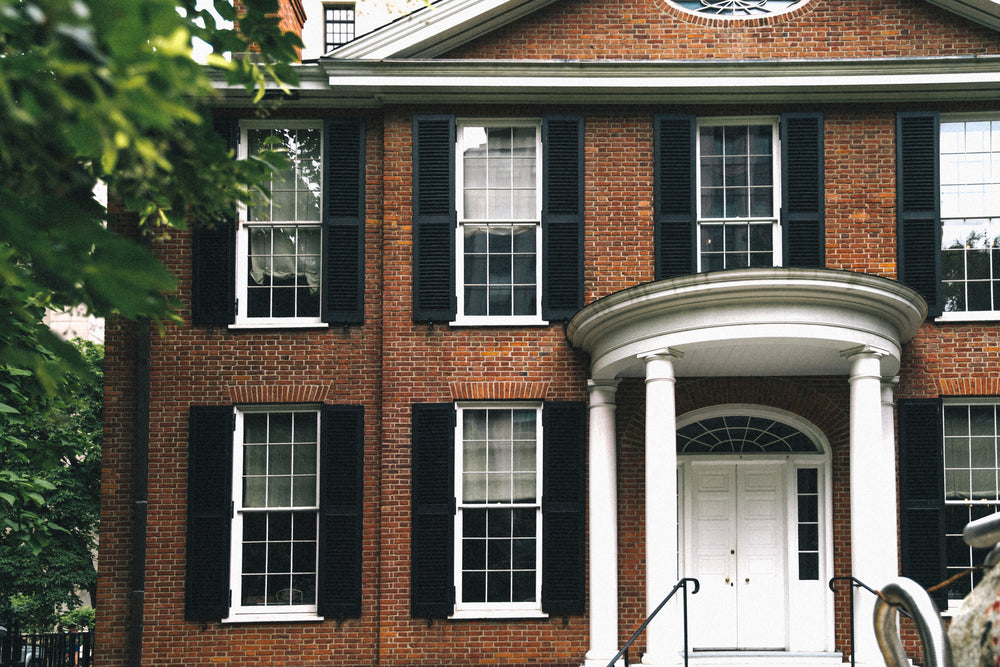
pixel 108 90
pixel 53 443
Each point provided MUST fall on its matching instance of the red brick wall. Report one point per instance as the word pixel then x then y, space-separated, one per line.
pixel 640 29
pixel 390 362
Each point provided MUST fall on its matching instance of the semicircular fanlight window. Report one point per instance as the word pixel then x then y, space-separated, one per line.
pixel 742 434
pixel 737 9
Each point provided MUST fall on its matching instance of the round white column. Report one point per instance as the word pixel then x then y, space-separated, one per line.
pixel 664 636
pixel 602 505
pixel 873 495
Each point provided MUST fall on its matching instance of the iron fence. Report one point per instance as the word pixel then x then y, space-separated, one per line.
pixel 53 649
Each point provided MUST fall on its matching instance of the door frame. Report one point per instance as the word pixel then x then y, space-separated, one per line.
pixel 803 599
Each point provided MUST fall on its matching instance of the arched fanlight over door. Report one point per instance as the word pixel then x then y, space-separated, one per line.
pixel 743 434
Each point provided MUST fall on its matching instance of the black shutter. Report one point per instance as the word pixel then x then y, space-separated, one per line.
pixel 340 511
pixel 674 190
pixel 921 512
pixel 562 217
pixel 209 512
pixel 434 219
pixel 213 256
pixel 344 221
pixel 564 502
pixel 918 205
pixel 432 575
pixel 802 205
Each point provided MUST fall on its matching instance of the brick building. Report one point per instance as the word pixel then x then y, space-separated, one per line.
pixel 561 301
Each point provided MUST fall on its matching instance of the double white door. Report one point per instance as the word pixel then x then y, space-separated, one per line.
pixel 736 546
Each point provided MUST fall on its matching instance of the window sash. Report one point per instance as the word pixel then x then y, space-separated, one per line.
pixel 279 245
pixel 274 566
pixel 970 441
pixel 738 186
pixel 970 214
pixel 498 191
pixel 498 523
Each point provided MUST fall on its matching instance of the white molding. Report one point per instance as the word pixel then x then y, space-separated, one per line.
pixel 750 322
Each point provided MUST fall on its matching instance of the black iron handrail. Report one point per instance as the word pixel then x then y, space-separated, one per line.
pixel 635 635
pixel 855 583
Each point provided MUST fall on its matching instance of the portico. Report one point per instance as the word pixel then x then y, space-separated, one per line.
pixel 742 323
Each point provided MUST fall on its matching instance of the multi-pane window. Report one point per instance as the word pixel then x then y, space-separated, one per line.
pixel 499 509
pixel 970 215
pixel 275 511
pixel 807 497
pixel 971 483
pixel 338 24
pixel 737 202
pixel 279 243
pixel 499 206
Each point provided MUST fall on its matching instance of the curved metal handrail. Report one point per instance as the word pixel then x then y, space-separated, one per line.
pixel 908 595
pixel 635 635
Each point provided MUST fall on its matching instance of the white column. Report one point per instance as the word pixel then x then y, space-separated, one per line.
pixel 873 493
pixel 664 636
pixel 602 507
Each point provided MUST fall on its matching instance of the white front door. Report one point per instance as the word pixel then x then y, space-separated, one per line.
pixel 737 546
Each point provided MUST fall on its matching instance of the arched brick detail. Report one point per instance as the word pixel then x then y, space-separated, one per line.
pixel 499 390
pixel 745 23
pixel 969 386
pixel 293 393
pixel 799 398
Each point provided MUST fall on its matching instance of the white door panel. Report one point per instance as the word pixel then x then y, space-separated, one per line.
pixel 737 550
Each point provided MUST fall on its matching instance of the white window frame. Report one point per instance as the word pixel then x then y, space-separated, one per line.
pixel 461 319
pixel 966 315
pixel 497 609
pixel 243 237
pixel 775 219
pixel 256 613
pixel 954 605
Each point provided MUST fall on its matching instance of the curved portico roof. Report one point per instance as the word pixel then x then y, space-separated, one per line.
pixel 750 322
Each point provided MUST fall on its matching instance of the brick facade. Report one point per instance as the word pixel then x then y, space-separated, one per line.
pixel 390 362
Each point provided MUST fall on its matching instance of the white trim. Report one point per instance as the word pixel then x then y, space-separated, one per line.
pixel 243 226
pixel 775 219
pixel 239 613
pixel 271 618
pixel 755 410
pixel 461 319
pixel 471 610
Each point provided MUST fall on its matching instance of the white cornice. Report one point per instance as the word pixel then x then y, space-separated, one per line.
pixel 660 82
pixel 750 322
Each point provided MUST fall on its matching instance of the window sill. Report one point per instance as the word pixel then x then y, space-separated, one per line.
pixel 273 618
pixel 280 324
pixel 499 322
pixel 969 316
pixel 510 614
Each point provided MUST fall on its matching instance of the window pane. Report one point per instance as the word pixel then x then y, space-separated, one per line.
pixel 280 459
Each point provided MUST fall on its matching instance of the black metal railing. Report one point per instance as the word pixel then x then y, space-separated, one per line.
pixel 53 649
pixel 682 584
pixel 855 583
